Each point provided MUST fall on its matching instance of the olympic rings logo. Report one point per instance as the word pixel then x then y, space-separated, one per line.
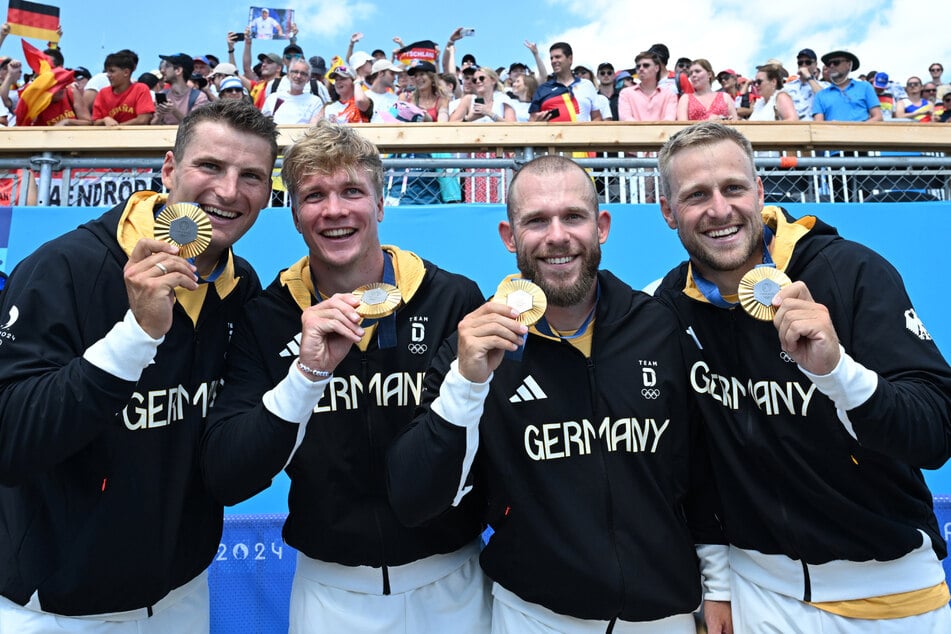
pixel 785 357
pixel 417 348
pixel 650 393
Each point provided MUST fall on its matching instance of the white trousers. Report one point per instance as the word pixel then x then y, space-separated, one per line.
pixel 760 611
pixel 183 610
pixel 513 615
pixel 457 602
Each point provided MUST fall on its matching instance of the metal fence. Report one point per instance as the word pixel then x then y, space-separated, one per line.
pixel 484 177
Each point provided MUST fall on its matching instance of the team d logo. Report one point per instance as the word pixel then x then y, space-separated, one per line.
pixel 417 335
pixel 649 390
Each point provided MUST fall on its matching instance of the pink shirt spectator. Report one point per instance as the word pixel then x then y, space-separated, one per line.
pixel 636 105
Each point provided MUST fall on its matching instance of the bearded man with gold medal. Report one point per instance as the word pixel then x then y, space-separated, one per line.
pixel 562 402
pixel 823 396
pixel 325 369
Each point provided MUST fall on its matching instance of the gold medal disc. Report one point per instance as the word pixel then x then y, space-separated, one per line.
pixel 757 290
pixel 525 297
pixel 186 226
pixel 377 300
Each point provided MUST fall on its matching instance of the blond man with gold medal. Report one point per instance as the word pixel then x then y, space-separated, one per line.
pixel 325 370
pixel 822 404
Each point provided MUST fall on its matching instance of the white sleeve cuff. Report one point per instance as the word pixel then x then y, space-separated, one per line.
pixel 295 397
pixel 461 401
pixel 848 385
pixel 125 351
pixel 714 571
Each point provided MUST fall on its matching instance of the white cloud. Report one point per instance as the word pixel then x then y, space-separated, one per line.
pixel 893 36
pixel 329 18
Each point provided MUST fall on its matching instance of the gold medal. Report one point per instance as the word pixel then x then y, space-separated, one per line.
pixel 525 297
pixel 186 226
pixel 757 290
pixel 377 300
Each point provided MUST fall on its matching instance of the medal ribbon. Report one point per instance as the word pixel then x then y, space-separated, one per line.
pixel 544 327
pixel 710 290
pixel 386 330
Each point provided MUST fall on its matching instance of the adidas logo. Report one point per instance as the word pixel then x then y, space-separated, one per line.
pixel 529 390
pixel 292 347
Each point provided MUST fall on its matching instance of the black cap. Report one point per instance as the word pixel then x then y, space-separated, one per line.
pixel 807 52
pixel 293 49
pixel 181 61
pixel 421 67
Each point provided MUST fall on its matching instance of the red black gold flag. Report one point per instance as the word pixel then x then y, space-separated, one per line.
pixel 422 51
pixel 33 20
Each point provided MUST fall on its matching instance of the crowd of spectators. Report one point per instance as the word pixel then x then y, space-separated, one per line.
pixel 364 87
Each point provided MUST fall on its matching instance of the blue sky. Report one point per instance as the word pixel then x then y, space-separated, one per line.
pixel 893 36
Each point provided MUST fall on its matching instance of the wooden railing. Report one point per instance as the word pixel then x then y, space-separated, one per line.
pixel 154 141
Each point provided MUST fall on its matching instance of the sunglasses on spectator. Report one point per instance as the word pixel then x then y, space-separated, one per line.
pixel 606 72
pixel 913 84
pixel 935 69
pixel 758 82
pixel 480 79
pixel 946 99
pixel 645 65
pixel 805 62
pixel 837 62
pixel 232 90
pixel 929 90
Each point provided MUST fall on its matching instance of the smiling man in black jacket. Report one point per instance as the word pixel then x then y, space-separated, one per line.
pixel 585 447
pixel 820 417
pixel 111 351
pixel 314 389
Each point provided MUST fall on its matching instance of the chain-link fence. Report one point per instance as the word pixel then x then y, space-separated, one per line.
pixel 413 179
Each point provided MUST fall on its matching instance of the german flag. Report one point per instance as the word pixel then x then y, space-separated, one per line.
pixel 33 20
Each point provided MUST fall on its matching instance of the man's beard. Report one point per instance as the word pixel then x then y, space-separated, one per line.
pixel 714 260
pixel 563 295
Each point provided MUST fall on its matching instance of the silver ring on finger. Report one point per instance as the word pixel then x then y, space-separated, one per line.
pixel 161 267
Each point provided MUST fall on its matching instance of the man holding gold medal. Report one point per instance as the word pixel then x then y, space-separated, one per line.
pixel 562 403
pixel 823 396
pixel 325 369
pixel 111 352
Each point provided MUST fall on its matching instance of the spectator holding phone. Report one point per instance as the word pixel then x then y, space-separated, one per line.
pixel 488 104
pixel 176 101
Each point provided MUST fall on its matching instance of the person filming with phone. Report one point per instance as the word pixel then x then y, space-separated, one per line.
pixel 488 104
